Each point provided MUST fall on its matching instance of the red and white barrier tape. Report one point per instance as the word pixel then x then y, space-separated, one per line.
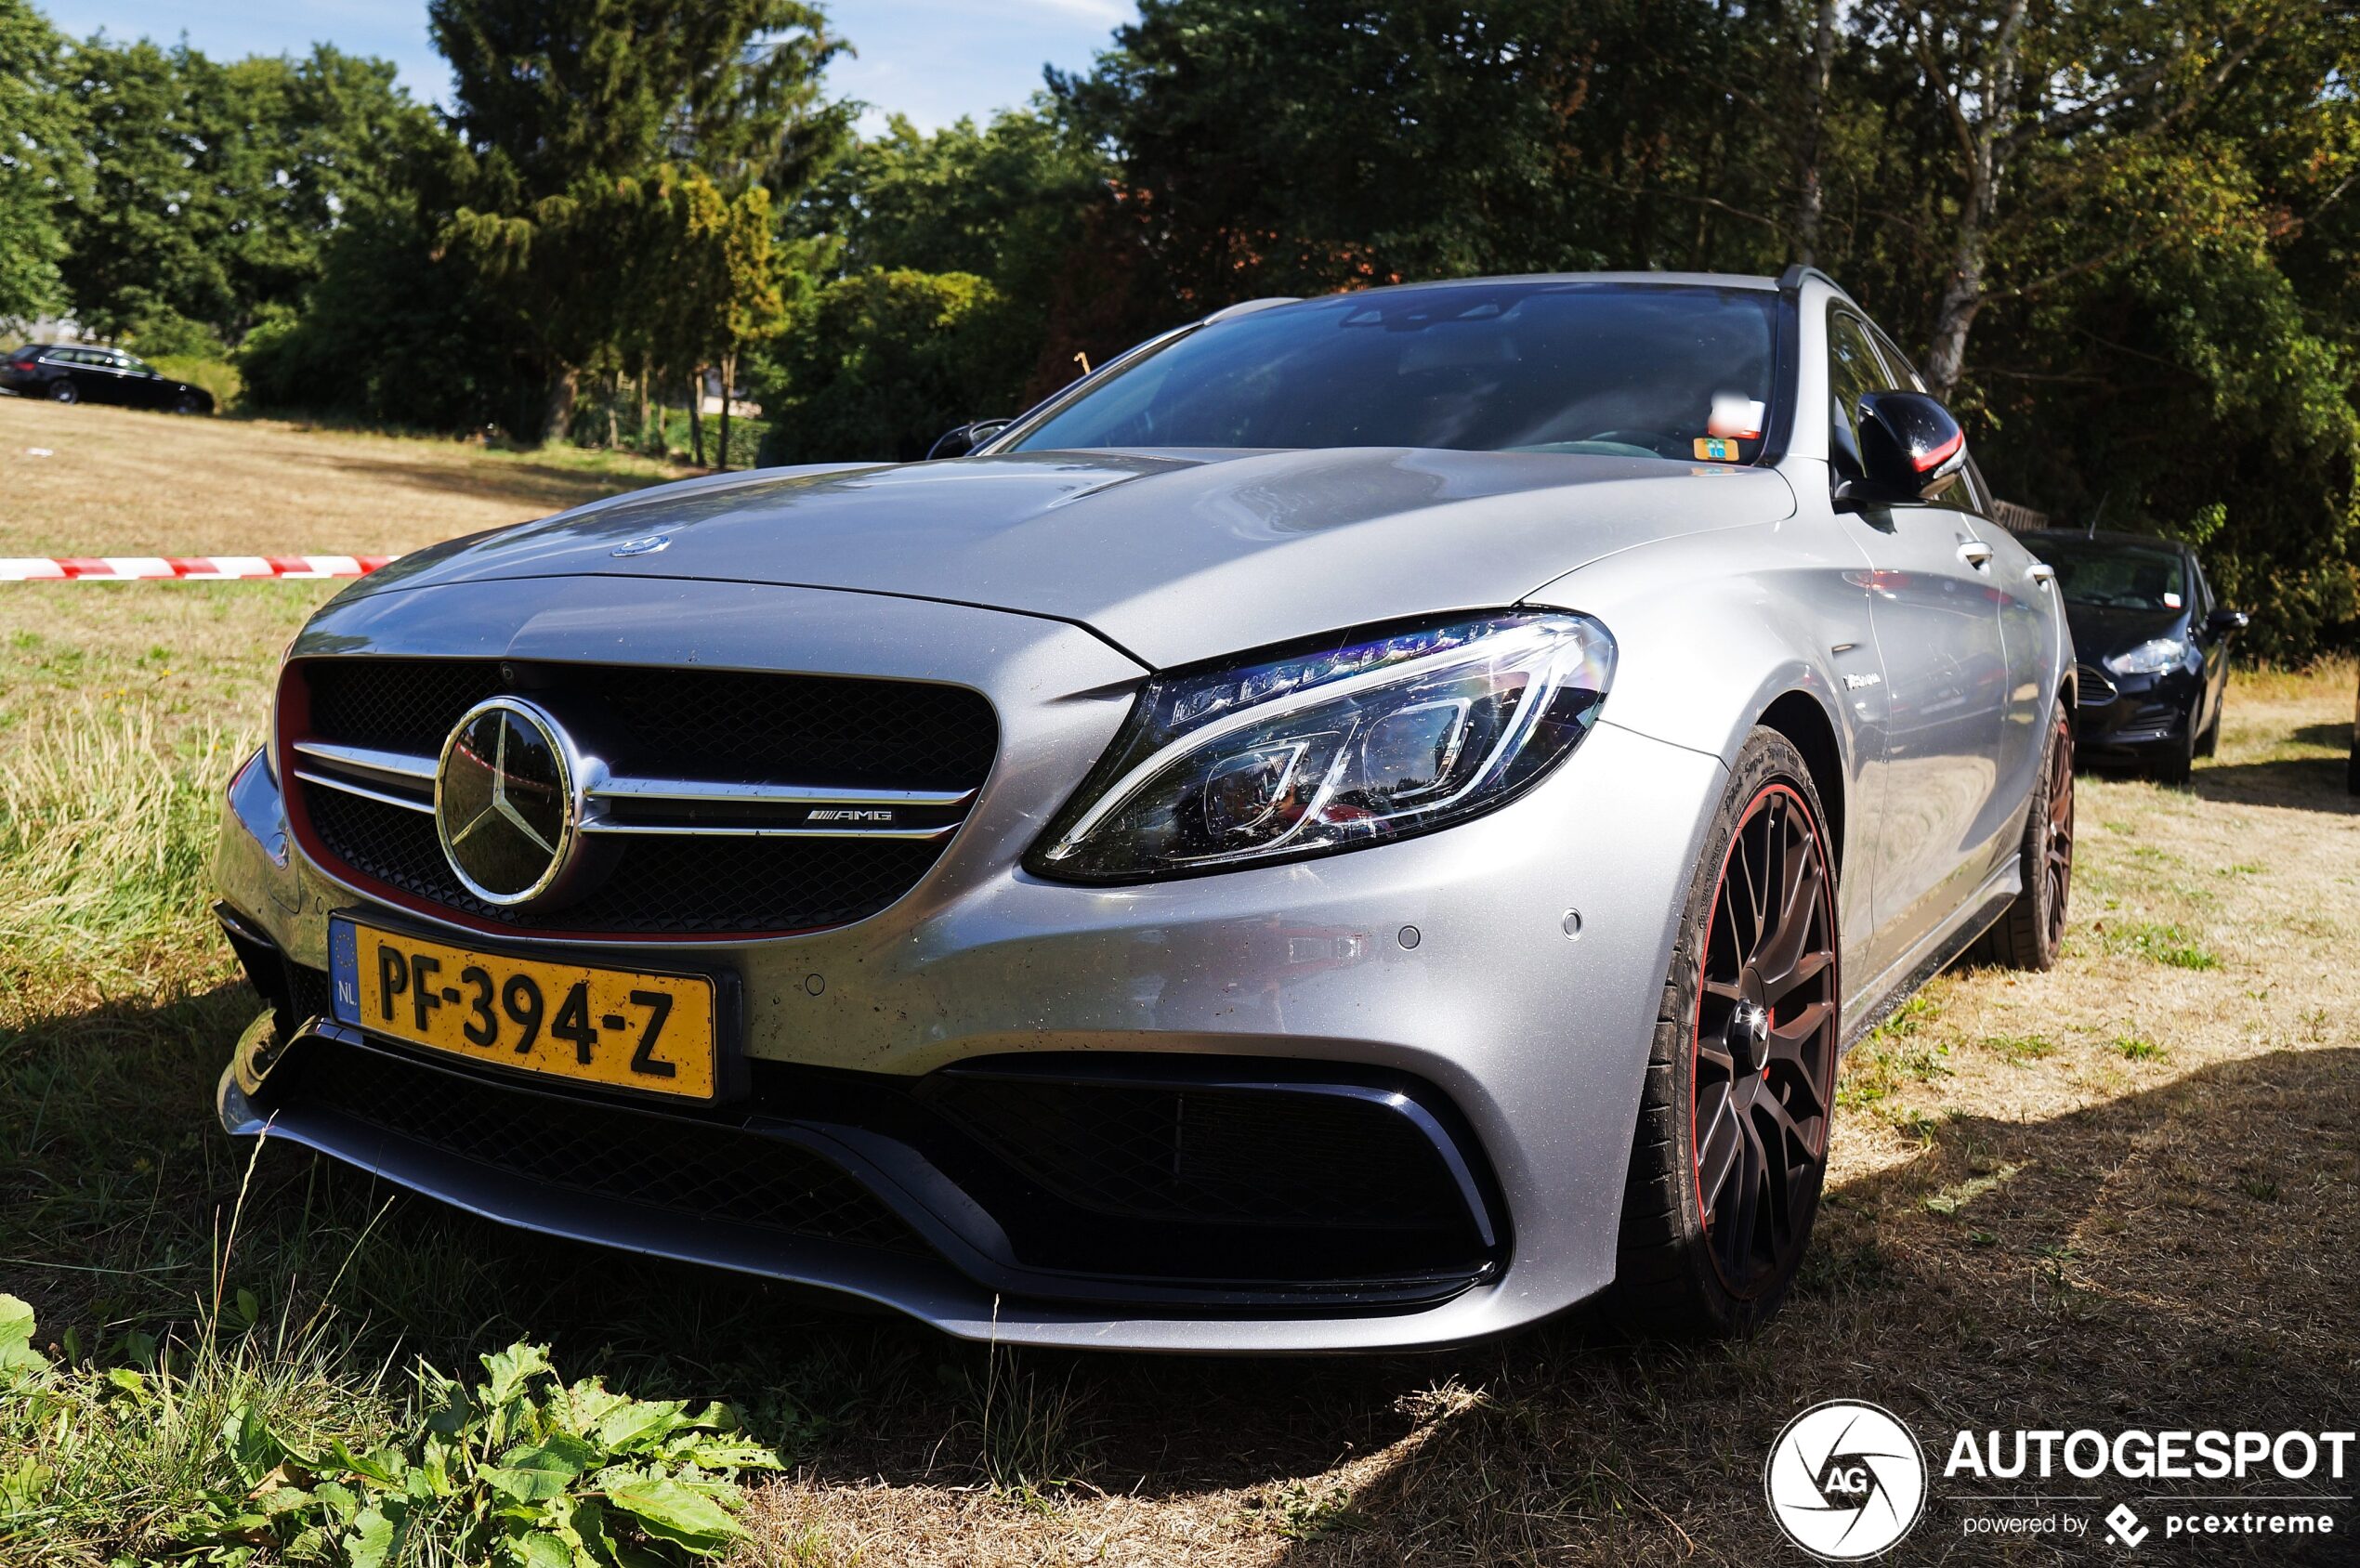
pixel 181 568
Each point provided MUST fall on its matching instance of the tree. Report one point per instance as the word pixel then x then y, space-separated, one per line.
pixel 40 162
pixel 880 363
pixel 213 185
pixel 563 111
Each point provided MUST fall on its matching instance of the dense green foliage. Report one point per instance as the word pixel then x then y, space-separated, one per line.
pixel 873 358
pixel 2122 242
pixel 213 187
pixel 41 164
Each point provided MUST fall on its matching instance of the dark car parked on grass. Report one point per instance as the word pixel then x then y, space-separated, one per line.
pixel 2151 646
pixel 86 374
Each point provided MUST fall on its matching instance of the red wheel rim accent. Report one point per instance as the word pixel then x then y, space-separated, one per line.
pixel 1762 1045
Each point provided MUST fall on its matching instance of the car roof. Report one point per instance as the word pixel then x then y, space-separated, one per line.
pixel 2103 536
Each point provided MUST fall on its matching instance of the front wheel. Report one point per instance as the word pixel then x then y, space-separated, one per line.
pixel 1731 1146
pixel 187 404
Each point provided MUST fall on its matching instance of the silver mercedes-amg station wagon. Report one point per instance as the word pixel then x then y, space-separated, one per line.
pixel 1364 822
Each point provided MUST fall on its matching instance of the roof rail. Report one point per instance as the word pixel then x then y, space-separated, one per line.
pixel 1791 279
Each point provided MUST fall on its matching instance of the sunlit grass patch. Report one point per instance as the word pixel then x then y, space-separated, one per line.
pixel 106 834
pixel 2172 945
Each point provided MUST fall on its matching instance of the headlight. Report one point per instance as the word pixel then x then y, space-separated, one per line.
pixel 2150 657
pixel 1332 748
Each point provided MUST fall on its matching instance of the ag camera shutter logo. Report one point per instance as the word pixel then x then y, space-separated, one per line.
pixel 1845 1479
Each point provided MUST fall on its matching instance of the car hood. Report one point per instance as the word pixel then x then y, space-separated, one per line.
pixel 1171 556
pixel 2100 631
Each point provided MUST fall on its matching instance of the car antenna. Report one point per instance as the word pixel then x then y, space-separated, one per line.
pixel 2100 513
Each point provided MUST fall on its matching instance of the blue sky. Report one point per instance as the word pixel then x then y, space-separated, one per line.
pixel 931 60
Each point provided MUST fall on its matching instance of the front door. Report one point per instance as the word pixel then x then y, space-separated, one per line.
pixel 1936 619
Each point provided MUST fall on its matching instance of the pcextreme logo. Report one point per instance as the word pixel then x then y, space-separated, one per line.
pixel 1845 1479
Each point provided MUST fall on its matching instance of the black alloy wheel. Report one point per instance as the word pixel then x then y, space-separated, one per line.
pixel 1766 1044
pixel 1730 1149
pixel 2056 842
pixel 62 391
pixel 2030 934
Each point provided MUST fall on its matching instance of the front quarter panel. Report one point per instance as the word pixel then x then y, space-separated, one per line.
pixel 1710 630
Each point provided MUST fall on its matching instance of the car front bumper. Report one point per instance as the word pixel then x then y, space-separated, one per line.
pixel 2133 719
pixel 1437 975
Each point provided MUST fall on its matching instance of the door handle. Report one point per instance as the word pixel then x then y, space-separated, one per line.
pixel 1976 554
pixel 2042 572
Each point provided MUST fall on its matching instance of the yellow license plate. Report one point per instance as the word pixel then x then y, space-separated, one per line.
pixel 616 1028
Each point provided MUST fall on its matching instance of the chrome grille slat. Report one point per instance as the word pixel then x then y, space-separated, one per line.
pixel 352 786
pixel 409 767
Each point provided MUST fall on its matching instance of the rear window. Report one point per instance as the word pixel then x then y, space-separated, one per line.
pixel 1628 370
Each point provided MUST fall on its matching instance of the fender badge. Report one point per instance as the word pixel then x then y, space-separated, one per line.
pixel 645 544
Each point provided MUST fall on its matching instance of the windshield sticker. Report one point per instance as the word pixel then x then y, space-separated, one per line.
pixel 1715 450
pixel 1734 414
pixel 2171 601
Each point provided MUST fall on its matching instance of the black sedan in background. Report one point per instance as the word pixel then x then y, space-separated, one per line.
pixel 85 373
pixel 2153 646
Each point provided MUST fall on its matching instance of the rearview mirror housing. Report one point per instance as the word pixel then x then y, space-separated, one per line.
pixel 2221 623
pixel 1911 448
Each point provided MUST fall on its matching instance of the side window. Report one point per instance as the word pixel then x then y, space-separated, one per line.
pixel 1853 370
pixel 2202 589
pixel 1898 361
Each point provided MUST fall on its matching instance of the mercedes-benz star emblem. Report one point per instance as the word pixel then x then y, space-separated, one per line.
pixel 643 544
pixel 504 802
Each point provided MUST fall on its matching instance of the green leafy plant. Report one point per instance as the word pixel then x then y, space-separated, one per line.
pixel 520 1471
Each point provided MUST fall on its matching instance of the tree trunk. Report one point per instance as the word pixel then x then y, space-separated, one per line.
pixel 728 379
pixel 696 414
pixel 1810 196
pixel 557 414
pixel 1961 298
pixel 640 429
pixel 614 397
pixel 1986 158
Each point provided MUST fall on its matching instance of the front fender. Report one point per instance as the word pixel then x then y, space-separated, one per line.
pixel 1710 630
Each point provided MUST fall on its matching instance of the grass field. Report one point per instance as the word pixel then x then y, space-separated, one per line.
pixel 2124 1194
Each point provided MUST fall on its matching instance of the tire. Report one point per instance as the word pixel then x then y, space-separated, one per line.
pixel 62 391
pixel 2352 771
pixel 2030 934
pixel 2177 765
pixel 2208 743
pixel 1729 1087
pixel 186 403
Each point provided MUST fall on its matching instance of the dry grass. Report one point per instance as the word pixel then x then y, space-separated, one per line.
pixel 2125 1192
pixel 120 482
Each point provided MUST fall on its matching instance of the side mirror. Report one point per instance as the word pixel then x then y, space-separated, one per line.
pixel 2221 623
pixel 966 437
pixel 1910 447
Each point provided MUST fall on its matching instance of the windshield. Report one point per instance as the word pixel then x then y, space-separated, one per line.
pixel 1671 371
pixel 2117 576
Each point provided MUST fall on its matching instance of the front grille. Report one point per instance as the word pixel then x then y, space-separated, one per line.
pixel 718 725
pixel 698 1170
pixel 2092 688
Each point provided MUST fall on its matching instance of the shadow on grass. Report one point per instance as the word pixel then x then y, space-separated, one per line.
pixel 2173 1258
pixel 2302 783
pixel 537 489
